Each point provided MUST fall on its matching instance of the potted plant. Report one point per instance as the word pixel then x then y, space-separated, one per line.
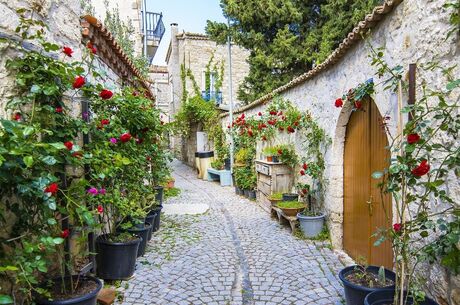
pixel 271 153
pixel 217 164
pixel 360 280
pixel 170 182
pixel 275 198
pixel 288 156
pixel 387 296
pixel 291 208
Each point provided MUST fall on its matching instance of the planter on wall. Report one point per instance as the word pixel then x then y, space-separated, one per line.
pixel 386 296
pixel 89 298
pixel 355 294
pixel 290 197
pixel 116 260
pixel 311 226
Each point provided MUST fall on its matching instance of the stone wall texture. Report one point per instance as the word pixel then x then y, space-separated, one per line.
pixel 415 32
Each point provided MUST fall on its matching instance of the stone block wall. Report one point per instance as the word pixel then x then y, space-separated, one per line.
pixel 415 32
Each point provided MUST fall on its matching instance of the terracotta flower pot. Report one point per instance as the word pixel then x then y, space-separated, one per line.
pixel 292 211
pixel 274 202
pixel 270 159
pixel 170 184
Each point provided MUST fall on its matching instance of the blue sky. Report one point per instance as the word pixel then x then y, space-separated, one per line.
pixel 191 15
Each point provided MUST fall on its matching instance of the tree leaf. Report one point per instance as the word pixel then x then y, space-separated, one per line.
pixel 377 175
pixel 50 160
pixel 28 161
pixel 5 299
pixel 35 89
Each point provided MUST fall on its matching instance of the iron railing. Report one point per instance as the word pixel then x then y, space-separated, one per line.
pixel 155 26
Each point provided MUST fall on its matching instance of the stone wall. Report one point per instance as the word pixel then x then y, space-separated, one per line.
pixel 415 32
pixel 159 77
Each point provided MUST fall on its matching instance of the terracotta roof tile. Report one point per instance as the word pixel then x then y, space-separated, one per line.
pixel 111 53
pixel 354 36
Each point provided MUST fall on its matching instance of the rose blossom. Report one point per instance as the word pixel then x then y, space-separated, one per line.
pixel 422 169
pixel 125 137
pixel 397 227
pixel 52 188
pixel 100 209
pixel 413 138
pixel 67 51
pixel 78 82
pixel 338 103
pixel 105 94
pixel 68 145
pixel 65 233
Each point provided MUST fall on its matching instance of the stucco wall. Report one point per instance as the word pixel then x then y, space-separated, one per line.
pixel 414 32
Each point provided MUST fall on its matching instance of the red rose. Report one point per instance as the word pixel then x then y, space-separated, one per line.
pixel 125 137
pixel 280 152
pixel 58 109
pixel 100 209
pixel 422 169
pixel 228 126
pixel 77 154
pixel 302 172
pixel 78 82
pixel 17 116
pixel 149 158
pixel 242 116
pixel 260 113
pixel 358 104
pixel 65 233
pixel 105 122
pixel 250 132
pixel 304 191
pixel 280 113
pixel 296 123
pixel 397 227
pixel 92 48
pixel 281 128
pixel 413 138
pixel 305 166
pixel 105 94
pixel 338 103
pixel 139 141
pixel 69 145
pixel 52 188
pixel 290 129
pixel 67 51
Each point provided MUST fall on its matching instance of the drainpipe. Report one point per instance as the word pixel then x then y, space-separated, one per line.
pixel 230 91
pixel 144 19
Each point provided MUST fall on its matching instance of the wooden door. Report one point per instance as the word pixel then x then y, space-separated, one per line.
pixel 365 208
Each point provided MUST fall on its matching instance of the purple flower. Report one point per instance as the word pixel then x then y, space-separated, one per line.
pixel 85 115
pixel 113 140
pixel 102 191
pixel 93 191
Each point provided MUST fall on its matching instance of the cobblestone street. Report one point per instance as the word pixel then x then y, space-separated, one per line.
pixel 233 254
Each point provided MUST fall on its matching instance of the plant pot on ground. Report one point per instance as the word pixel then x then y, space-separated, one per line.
pixel 170 183
pixel 151 220
pixel 158 194
pixel 144 234
pixel 84 292
pixel 359 281
pixel 116 255
pixel 246 193
pixel 310 223
pixel 156 222
pixel 252 195
pixel 291 208
pixel 386 297
pixel 290 197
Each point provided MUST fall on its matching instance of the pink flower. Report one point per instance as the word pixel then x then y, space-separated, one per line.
pixel 397 227
pixel 102 191
pixel 113 140
pixel 93 191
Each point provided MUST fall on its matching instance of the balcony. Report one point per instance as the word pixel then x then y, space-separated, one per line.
pixel 212 96
pixel 155 30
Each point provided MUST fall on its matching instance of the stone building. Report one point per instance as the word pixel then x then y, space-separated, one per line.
pixel 195 52
pixel 158 76
pixel 410 35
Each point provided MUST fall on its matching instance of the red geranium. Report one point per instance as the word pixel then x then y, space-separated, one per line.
pixel 65 233
pixel 422 169
pixel 105 94
pixel 58 109
pixel 69 145
pixel 338 103
pixel 413 138
pixel 67 51
pixel 290 129
pixel 100 209
pixel 78 82
pixel 125 137
pixel 52 188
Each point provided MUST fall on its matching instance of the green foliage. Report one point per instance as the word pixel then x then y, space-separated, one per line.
pixel 172 192
pixel 291 205
pixel 276 196
pixel 217 164
pixel 286 38
pixel 270 151
pixel 245 178
pixel 195 110
pixel 287 155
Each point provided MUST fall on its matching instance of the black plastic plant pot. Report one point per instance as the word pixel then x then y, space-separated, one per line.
pixel 354 294
pixel 290 197
pixel 156 222
pixel 144 234
pixel 383 297
pixel 252 195
pixel 275 159
pixel 227 164
pixel 158 194
pixel 246 193
pixel 86 299
pixel 150 219
pixel 116 260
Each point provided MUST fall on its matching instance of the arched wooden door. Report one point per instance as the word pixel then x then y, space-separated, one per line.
pixel 365 152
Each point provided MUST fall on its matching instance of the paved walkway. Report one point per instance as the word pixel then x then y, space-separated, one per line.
pixel 232 254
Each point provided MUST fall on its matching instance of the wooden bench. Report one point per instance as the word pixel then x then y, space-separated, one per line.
pixel 283 219
pixel 224 176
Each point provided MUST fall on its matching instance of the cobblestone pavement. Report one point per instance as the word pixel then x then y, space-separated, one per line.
pixel 233 254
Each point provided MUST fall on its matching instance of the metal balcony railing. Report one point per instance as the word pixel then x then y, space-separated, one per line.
pixel 212 96
pixel 155 26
